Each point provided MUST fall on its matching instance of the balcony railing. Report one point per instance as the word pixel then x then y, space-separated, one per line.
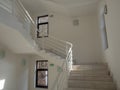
pixel 16 9
pixel 64 50
pixel 50 44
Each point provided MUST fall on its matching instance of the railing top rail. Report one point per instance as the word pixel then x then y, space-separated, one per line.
pixel 52 37
pixel 33 23
pixel 58 76
pixel 69 45
pixel 26 12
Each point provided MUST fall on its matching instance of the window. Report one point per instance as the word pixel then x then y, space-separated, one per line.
pixel 2 83
pixel 42 26
pixel 42 74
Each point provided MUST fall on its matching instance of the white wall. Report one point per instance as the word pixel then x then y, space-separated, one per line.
pixel 14 70
pixel 112 54
pixel 85 37
pixel 52 73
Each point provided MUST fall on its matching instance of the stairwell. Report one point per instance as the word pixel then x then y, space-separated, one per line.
pixel 17 23
pixel 90 77
pixel 81 77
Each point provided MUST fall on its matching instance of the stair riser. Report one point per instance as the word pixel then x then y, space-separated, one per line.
pixel 91 78
pixel 89 71
pixel 91 84
pixel 85 68
pixel 86 89
pixel 89 67
pixel 91 74
pixel 75 71
pixel 81 85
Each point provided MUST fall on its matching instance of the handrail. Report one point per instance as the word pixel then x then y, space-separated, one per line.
pixel 24 10
pixel 62 41
pixel 64 71
pixel 55 44
pixel 58 83
pixel 55 82
pixel 24 17
pixel 3 4
pixel 61 47
pixel 16 9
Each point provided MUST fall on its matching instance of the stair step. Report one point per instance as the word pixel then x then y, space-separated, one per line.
pixel 89 71
pixel 90 78
pixel 89 67
pixel 90 74
pixel 86 89
pixel 91 84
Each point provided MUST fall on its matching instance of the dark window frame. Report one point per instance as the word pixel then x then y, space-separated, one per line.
pixel 38 70
pixel 39 24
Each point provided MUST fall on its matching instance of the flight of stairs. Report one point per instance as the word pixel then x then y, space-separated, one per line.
pixel 90 77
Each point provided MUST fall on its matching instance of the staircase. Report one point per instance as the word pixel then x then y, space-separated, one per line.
pixel 22 28
pixel 90 77
pixel 81 77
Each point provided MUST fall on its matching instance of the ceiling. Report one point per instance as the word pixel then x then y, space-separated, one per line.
pixel 71 7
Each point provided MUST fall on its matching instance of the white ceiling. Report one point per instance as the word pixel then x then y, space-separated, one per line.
pixel 71 7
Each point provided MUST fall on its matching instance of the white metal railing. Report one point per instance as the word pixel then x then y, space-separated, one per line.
pixel 7 5
pixel 63 49
pixel 50 44
pixel 59 47
pixel 22 14
pixel 60 82
pixel 16 8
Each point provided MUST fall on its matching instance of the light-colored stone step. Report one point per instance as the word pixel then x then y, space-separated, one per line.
pixel 91 84
pixel 89 71
pixel 103 74
pixel 90 78
pixel 89 67
pixel 86 89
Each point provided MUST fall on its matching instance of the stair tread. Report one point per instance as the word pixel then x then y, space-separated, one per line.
pixel 89 67
pixel 89 78
pixel 86 89
pixel 91 84
pixel 90 71
pixel 92 76
pixel 98 64
pixel 89 74
pixel 79 70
